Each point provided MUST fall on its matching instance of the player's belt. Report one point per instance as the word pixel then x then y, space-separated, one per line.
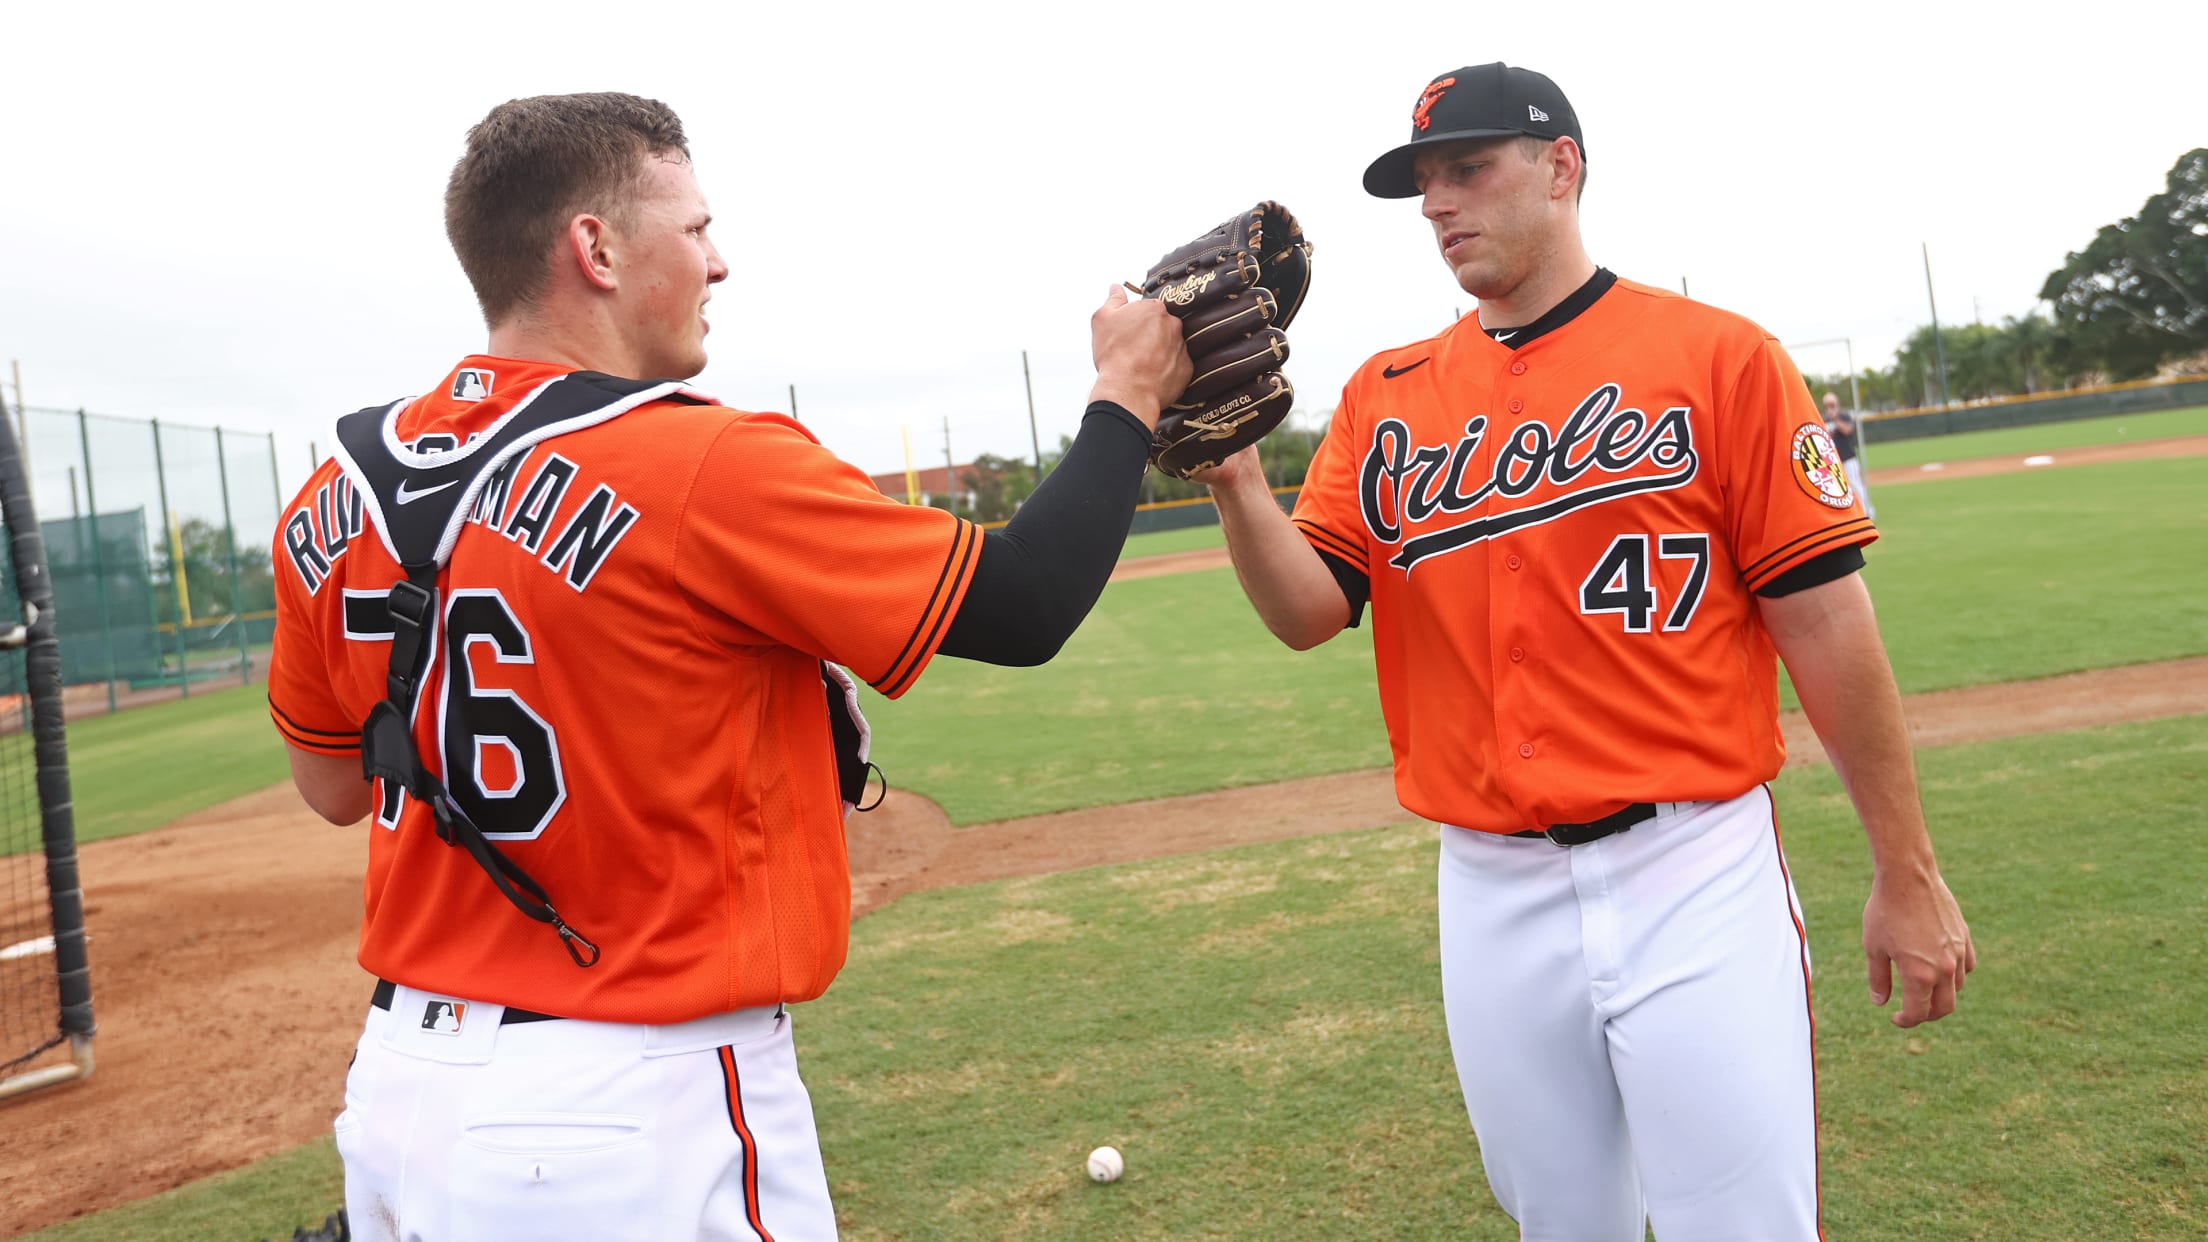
pixel 1595 829
pixel 385 989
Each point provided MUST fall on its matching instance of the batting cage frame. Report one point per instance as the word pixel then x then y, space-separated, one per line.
pixel 33 634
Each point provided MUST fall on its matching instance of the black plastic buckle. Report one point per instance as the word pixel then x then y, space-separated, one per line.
pixel 411 605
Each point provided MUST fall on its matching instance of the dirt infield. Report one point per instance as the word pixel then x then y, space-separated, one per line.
pixel 228 999
pixel 222 946
pixel 2087 455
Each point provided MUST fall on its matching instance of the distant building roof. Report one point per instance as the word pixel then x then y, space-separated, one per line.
pixel 933 481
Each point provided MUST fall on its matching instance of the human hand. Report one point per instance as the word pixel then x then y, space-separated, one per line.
pixel 1235 471
pixel 1912 924
pixel 1141 362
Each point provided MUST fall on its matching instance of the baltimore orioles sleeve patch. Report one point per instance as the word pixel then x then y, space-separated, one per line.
pixel 1816 462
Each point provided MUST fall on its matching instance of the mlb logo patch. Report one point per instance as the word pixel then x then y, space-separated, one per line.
pixel 444 1016
pixel 472 384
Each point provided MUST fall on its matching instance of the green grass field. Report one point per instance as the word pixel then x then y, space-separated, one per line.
pixel 2036 438
pixel 1260 1031
pixel 1186 539
pixel 2010 576
pixel 1996 578
pixel 139 769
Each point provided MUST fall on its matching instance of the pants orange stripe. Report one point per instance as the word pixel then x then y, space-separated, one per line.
pixel 1801 934
pixel 743 1135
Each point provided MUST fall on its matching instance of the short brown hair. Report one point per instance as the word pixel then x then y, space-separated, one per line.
pixel 1531 147
pixel 530 167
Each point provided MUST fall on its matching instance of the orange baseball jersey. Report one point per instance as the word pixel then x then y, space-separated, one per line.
pixel 1562 543
pixel 625 692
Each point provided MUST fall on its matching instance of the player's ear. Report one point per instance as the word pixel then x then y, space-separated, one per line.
pixel 1566 169
pixel 588 245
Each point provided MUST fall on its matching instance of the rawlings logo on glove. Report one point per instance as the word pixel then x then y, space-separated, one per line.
pixel 1233 289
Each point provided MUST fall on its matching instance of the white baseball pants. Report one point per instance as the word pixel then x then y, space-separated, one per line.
pixel 459 1129
pixel 1631 1026
pixel 1853 468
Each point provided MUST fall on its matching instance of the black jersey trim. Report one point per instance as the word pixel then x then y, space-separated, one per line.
pixel 1850 536
pixel 1755 571
pixel 1327 541
pixel 1557 316
pixel 969 550
pixel 292 726
pixel 316 740
pixel 927 633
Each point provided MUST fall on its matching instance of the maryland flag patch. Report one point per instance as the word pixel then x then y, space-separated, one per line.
pixel 1817 467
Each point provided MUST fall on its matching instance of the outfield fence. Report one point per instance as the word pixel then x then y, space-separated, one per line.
pixel 2045 407
pixel 1178 514
pixel 157 535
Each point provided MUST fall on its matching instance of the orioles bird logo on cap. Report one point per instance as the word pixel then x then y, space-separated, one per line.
pixel 1426 101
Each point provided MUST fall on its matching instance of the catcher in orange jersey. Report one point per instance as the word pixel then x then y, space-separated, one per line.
pixel 587 630
pixel 1588 520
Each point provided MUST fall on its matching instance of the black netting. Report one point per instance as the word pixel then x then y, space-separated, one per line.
pixel 30 1006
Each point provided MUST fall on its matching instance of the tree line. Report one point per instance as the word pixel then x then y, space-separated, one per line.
pixel 2131 304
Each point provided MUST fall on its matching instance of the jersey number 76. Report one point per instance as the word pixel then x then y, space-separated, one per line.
pixel 476 721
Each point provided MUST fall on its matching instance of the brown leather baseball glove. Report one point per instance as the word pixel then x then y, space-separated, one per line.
pixel 1233 289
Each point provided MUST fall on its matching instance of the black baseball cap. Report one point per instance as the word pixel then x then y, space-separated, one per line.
pixel 1477 101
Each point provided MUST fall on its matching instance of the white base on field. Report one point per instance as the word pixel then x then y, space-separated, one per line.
pixel 28 948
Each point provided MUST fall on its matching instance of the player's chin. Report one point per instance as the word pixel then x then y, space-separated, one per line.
pixel 682 365
pixel 1472 275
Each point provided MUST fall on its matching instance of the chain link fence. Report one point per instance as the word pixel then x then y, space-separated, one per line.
pixel 157 536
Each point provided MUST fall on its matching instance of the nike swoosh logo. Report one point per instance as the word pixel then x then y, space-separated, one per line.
pixel 1504 336
pixel 1392 372
pixel 406 497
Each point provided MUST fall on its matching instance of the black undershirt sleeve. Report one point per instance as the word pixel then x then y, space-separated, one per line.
pixel 1039 576
pixel 1356 588
pixel 1816 571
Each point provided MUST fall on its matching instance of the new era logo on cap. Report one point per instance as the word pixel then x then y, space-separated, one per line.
pixel 1536 113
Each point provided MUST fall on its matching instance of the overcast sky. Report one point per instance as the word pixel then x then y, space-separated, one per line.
pixel 230 213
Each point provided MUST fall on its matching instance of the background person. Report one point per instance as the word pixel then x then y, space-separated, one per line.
pixel 1841 424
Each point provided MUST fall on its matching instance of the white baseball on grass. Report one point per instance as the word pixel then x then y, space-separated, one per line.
pixel 1105 1165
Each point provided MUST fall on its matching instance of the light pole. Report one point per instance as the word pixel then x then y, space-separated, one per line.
pixel 1855 387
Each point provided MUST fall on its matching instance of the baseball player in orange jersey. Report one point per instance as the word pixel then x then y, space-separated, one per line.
pixel 1586 519
pixel 580 628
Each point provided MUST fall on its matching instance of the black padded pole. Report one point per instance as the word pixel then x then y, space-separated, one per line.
pixel 42 673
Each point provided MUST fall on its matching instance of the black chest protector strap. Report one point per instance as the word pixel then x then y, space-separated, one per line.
pixel 419 498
